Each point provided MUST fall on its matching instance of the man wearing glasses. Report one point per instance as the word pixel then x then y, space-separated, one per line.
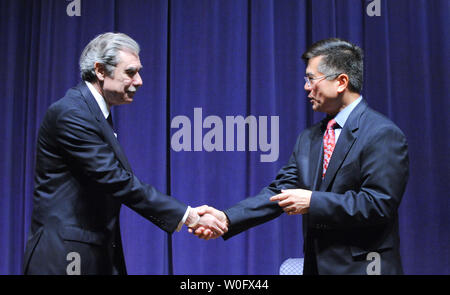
pixel 346 175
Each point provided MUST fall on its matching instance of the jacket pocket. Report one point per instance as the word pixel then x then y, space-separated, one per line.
pixel 73 233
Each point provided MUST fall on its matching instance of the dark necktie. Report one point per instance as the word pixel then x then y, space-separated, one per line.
pixel 110 121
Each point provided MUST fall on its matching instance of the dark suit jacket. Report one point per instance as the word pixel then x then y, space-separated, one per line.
pixel 82 178
pixel 353 210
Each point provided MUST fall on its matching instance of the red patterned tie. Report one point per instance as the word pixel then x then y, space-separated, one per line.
pixel 328 145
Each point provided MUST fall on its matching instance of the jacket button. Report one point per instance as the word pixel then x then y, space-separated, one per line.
pixel 113 244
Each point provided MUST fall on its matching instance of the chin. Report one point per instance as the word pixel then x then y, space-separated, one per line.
pixel 127 100
pixel 316 107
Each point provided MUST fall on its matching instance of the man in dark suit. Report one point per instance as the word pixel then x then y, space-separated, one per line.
pixel 346 175
pixel 83 177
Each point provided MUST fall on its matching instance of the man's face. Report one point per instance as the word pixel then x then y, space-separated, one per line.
pixel 121 87
pixel 323 93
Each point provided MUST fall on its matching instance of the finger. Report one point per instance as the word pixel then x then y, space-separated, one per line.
pixel 294 212
pixel 213 236
pixel 279 197
pixel 215 224
pixel 217 230
pixel 286 202
pixel 303 211
pixel 222 226
pixel 202 210
pixel 201 236
pixel 290 210
pixel 206 234
pixel 199 230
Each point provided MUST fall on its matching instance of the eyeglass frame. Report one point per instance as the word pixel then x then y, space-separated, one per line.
pixel 308 80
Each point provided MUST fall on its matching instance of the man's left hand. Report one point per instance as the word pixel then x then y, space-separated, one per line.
pixel 293 201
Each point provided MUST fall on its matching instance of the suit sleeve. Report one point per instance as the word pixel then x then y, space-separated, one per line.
pixel 259 209
pixel 383 172
pixel 82 143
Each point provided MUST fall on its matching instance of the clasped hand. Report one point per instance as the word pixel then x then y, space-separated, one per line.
pixel 211 223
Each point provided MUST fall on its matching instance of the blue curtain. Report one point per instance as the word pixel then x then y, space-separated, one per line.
pixel 228 58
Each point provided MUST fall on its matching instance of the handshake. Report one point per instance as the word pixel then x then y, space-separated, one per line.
pixel 209 223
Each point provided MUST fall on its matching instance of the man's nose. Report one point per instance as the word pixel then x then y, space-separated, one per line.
pixel 307 87
pixel 137 80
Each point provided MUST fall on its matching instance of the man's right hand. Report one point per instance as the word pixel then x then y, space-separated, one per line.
pixel 205 233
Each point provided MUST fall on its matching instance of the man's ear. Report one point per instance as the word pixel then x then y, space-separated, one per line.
pixel 343 81
pixel 100 71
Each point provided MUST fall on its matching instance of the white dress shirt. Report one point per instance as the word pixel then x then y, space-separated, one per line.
pixel 100 100
pixel 342 117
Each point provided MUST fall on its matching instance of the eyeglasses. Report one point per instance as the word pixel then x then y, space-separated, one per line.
pixel 309 80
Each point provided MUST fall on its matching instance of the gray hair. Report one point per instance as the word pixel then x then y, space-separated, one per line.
pixel 105 49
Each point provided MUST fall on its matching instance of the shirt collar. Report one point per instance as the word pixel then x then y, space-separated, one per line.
pixel 99 99
pixel 343 115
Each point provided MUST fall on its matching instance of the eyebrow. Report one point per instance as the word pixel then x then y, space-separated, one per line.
pixel 133 69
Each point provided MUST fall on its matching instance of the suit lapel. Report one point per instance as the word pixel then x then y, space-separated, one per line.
pixel 316 156
pixel 106 129
pixel 345 142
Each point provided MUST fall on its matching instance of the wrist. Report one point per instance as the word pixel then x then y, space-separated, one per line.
pixel 226 220
pixel 193 218
pixel 194 223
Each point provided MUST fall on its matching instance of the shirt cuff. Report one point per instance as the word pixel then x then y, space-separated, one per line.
pixel 183 220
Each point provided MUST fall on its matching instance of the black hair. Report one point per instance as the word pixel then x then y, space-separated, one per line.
pixel 339 56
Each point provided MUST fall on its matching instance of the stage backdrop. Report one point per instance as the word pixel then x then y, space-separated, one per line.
pixel 227 58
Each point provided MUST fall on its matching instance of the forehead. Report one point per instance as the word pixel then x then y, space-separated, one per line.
pixel 128 59
pixel 313 64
